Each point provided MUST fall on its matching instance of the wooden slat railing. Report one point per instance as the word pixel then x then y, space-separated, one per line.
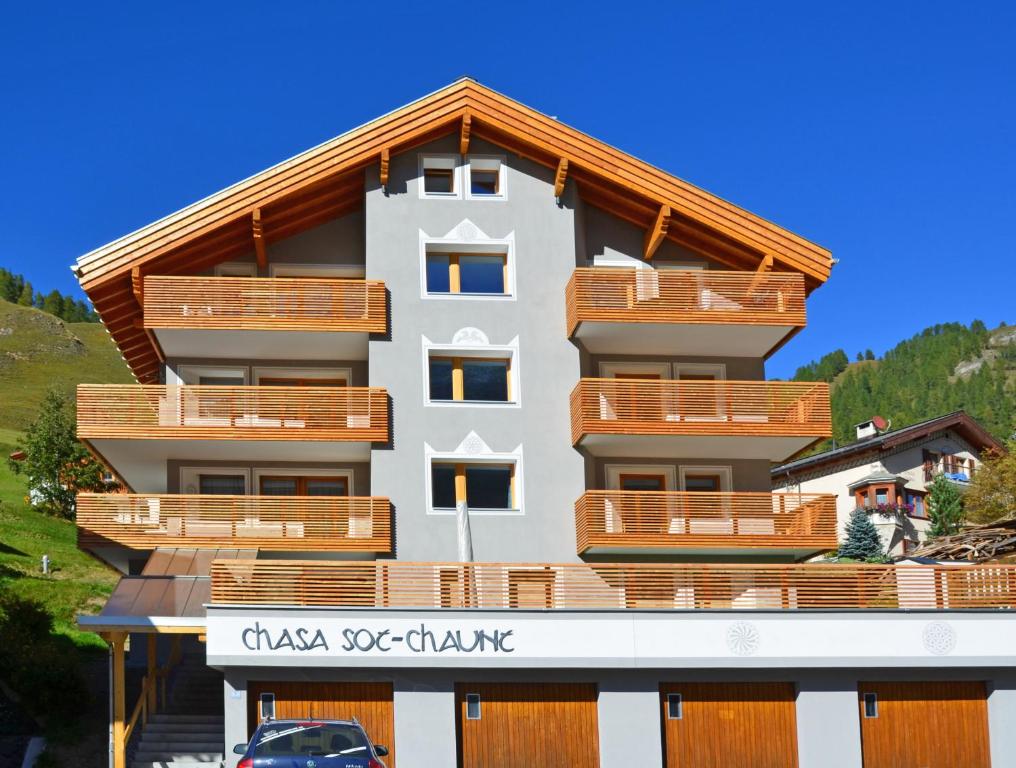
pixel 300 523
pixel 158 411
pixel 666 520
pixel 630 406
pixel 611 586
pixel 264 304
pixel 599 294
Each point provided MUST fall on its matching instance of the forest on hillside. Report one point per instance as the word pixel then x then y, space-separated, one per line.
pixel 944 368
pixel 15 289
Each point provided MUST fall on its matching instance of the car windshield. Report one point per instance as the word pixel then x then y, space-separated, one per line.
pixel 317 739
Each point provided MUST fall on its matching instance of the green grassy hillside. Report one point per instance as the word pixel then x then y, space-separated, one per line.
pixel 38 351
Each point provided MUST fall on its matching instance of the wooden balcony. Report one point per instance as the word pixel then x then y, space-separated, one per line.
pixel 137 428
pixel 720 419
pixel 683 312
pixel 255 317
pixel 612 586
pixel 652 522
pixel 289 523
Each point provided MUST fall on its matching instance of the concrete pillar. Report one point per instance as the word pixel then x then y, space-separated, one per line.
pixel 828 730
pixel 234 709
pixel 424 724
pixel 1001 719
pixel 629 712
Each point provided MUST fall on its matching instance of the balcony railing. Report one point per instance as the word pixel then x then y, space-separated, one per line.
pixel 629 406
pixel 300 523
pixel 264 304
pixel 156 411
pixel 612 587
pixel 684 296
pixel 648 520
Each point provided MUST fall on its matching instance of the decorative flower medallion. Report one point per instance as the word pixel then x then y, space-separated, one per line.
pixel 743 638
pixel 939 638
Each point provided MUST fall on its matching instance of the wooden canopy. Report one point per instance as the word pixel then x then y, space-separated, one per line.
pixel 327 182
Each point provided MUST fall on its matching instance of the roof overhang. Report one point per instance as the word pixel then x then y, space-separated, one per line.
pixel 327 182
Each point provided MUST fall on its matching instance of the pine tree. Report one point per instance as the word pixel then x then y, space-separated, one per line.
pixel 27 294
pixel 869 355
pixel 945 507
pixel 53 303
pixel 862 540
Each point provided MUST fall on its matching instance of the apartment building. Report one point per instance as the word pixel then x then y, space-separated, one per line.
pixel 889 472
pixel 458 423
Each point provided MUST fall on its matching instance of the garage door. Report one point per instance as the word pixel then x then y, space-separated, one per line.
pixel 924 725
pixel 370 703
pixel 524 725
pixel 729 725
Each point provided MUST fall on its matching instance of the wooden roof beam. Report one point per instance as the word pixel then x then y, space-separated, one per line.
pixel 258 230
pixel 386 162
pixel 464 131
pixel 560 177
pixel 764 266
pixel 656 233
pixel 138 286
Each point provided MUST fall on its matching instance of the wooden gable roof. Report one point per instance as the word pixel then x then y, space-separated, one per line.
pixel 327 181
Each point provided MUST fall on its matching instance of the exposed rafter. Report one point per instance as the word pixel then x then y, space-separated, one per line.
pixel 656 233
pixel 467 127
pixel 138 286
pixel 560 177
pixel 766 265
pixel 386 161
pixel 258 229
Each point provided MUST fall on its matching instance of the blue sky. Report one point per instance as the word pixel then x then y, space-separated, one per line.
pixel 886 132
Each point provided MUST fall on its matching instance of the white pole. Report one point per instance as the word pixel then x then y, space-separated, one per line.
pixel 464 535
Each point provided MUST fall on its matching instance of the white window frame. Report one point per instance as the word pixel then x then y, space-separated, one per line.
pixel 189 476
pixel 502 176
pixel 339 271
pixel 513 458
pixel 719 370
pixel 613 472
pixel 609 368
pixel 185 374
pixel 260 472
pixel 490 351
pixel 274 372
pixel 440 160
pixel 239 266
pixel 725 472
pixel 478 246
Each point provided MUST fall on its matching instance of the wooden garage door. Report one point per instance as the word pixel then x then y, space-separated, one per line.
pixel 525 725
pixel 729 725
pixel 924 725
pixel 370 703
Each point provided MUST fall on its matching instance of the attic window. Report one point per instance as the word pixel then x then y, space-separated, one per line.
pixel 486 178
pixel 439 176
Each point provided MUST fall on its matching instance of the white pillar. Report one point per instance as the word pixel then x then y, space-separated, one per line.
pixel 629 718
pixel 234 709
pixel 424 724
pixel 828 730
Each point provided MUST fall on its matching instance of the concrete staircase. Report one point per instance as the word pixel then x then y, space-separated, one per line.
pixel 189 733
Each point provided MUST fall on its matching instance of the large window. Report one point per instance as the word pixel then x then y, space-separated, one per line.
pixel 476 273
pixel 481 486
pixel 469 379
pixel 298 485
pixel 219 484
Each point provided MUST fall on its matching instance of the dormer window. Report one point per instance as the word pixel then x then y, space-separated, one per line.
pixel 439 176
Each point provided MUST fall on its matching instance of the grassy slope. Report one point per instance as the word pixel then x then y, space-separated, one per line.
pixel 38 351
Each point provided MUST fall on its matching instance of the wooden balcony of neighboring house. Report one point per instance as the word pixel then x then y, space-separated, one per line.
pixel 790 525
pixel 683 312
pixel 280 523
pixel 580 586
pixel 266 318
pixel 722 419
pixel 136 428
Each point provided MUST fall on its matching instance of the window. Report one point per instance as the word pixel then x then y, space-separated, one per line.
pixel 476 273
pixel 472 706
pixel 297 485
pixel 870 705
pixel 706 479
pixel 486 178
pixel 470 379
pixel 643 483
pixel 674 706
pixel 703 482
pixel 219 485
pixel 267 706
pixel 439 176
pixel 881 496
pixel 916 501
pixel 481 486
pixel 236 269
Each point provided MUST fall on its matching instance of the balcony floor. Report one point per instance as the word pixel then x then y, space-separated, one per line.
pixel 721 339
pixel 142 463
pixel 772 447
pixel 262 345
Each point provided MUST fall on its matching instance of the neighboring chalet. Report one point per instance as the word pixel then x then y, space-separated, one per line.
pixel 458 423
pixel 890 472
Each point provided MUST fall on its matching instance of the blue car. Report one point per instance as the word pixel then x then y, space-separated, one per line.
pixel 310 744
